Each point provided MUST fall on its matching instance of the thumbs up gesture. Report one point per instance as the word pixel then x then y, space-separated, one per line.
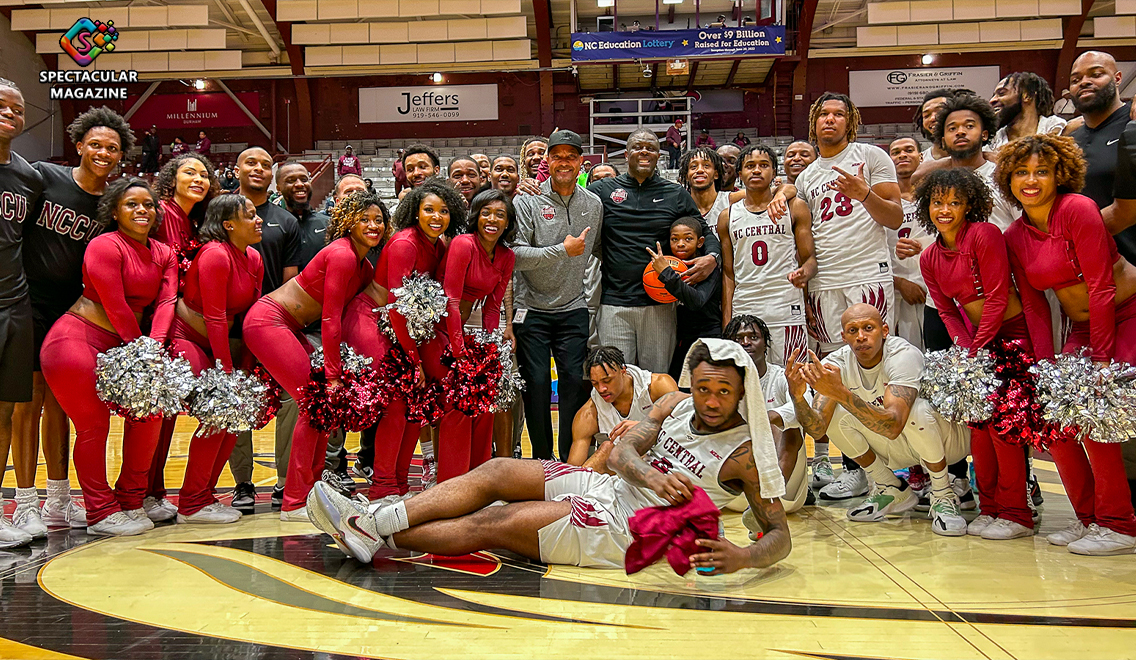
pixel 574 245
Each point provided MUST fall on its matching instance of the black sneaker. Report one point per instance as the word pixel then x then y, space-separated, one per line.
pixel 810 499
pixel 333 479
pixel 1034 490
pixel 244 496
pixel 277 499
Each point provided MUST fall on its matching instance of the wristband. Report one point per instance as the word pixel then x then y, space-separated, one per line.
pixel 866 196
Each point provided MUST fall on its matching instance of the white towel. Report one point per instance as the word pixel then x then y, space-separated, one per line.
pixel 752 409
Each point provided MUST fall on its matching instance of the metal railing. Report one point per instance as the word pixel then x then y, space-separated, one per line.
pixel 649 113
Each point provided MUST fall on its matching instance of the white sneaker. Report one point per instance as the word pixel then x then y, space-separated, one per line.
pixel 64 512
pixel 347 521
pixel 822 473
pixel 118 524
pixel 1073 532
pixel 976 526
pixel 296 515
pixel 215 513
pixel 27 518
pixel 139 516
pixel 10 535
pixel 848 484
pixel 429 473
pixel 1004 530
pixel 159 510
pixel 885 501
pixel 1103 542
pixel 946 516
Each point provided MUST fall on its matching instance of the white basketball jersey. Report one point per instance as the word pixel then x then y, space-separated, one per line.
pixel 901 365
pixel 682 450
pixel 1002 214
pixel 765 252
pixel 720 204
pixel 911 228
pixel 777 397
pixel 851 247
pixel 641 403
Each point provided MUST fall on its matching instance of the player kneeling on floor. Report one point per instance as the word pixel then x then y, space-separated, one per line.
pixel 563 514
pixel 867 400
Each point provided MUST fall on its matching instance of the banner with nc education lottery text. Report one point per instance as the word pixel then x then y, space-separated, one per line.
pixel 663 44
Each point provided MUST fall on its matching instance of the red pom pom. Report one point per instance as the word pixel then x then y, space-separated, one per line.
pixel 185 256
pixel 272 396
pixel 353 406
pixel 471 385
pixel 397 378
pixel 1018 416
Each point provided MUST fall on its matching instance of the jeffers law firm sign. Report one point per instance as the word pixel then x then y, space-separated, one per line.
pixel 432 103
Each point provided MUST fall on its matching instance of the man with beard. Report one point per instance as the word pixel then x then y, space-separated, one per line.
pixel 925 117
pixel 20 188
pixel 532 153
pixel 1023 102
pixel 465 177
pixel 420 164
pixel 281 250
pixel 797 157
pixel 639 207
pixel 557 231
pixel 482 166
pixel 504 175
pixel 729 154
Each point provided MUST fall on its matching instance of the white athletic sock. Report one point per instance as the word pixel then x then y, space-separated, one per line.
pixel 428 450
pixel 390 520
pixel 26 496
pixel 881 475
pixel 941 483
pixel 820 450
pixel 58 489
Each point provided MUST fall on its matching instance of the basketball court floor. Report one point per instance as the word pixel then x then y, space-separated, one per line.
pixel 266 589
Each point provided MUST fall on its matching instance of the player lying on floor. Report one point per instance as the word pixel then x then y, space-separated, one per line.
pixel 563 514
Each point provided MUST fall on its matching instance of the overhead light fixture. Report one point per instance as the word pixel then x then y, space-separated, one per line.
pixel 605 3
pixel 928 58
pixel 437 77
pixel 199 84
pixel 672 2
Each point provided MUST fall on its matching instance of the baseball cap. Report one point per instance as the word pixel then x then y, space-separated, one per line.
pixel 570 138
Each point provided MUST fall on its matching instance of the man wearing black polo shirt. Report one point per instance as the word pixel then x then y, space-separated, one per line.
pixel 280 248
pixel 20 188
pixel 639 207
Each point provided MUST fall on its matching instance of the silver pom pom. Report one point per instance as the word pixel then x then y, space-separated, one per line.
pixel 422 302
pixel 1099 400
pixel 352 362
pixel 959 386
pixel 140 380
pixel 511 384
pixel 232 402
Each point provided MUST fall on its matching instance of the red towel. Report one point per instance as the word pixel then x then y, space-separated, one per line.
pixel 671 531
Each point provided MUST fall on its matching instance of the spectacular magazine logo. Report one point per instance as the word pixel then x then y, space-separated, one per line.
pixel 87 39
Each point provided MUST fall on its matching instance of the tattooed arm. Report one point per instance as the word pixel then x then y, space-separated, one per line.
pixel 775 541
pixel 815 417
pixel 626 456
pixel 887 420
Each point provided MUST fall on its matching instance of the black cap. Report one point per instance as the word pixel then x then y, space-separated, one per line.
pixel 570 138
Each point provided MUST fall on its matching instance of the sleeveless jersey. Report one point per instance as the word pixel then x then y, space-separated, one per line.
pixel 720 204
pixel 606 414
pixel 851 247
pixel 1002 215
pixel 765 252
pixel 908 268
pixel 682 450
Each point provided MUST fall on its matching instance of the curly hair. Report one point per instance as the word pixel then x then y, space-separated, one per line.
pixel 484 198
pixel 104 116
pixel 167 183
pixel 406 214
pixel 701 152
pixel 853 115
pixel 741 321
pixel 106 218
pixel 421 149
pixel 917 120
pixel 223 207
pixel 965 183
pixel 1060 151
pixel 349 212
pixel 1035 86
pixel 759 149
pixel 978 106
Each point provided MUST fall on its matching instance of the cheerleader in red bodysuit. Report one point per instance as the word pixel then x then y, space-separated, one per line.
pixel 1061 243
pixel 424 216
pixel 223 282
pixel 477 266
pixel 272 331
pixel 125 272
pixel 968 267
pixel 185 185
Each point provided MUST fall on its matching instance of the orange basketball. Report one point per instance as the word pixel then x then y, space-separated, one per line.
pixel 654 286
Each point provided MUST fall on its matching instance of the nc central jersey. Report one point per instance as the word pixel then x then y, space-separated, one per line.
pixel 765 252
pixel 851 247
pixel 608 417
pixel 596 533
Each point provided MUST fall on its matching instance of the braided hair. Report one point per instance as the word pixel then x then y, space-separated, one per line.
pixel 741 321
pixel 708 154
pixel 608 357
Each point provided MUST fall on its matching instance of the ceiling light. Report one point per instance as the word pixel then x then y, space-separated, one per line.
pixel 928 58
pixel 672 2
pixel 437 77
pixel 605 3
pixel 199 84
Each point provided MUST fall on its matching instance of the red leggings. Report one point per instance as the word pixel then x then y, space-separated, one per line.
pixel 209 453
pixel 464 442
pixel 274 337
pixel 68 363
pixel 1093 472
pixel 157 477
pixel 999 466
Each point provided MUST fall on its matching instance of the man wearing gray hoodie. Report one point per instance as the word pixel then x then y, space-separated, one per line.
pixel 556 231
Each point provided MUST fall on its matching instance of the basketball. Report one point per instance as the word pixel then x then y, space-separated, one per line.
pixel 654 286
